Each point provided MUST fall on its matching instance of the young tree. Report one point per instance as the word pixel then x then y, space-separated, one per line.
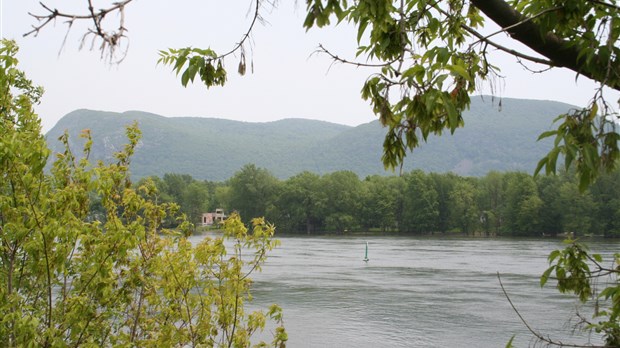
pixel 67 279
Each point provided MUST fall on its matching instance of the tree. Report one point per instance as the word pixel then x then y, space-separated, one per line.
pixel 578 209
pixel 68 279
pixel 345 194
pixel 443 184
pixel 300 204
pixel 196 200
pixel 433 55
pixel 549 190
pixel 464 211
pixel 252 190
pixel 420 204
pixel 383 201
pixel 606 195
pixel 522 208
pixel 492 202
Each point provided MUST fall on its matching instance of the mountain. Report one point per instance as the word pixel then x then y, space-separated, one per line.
pixel 214 149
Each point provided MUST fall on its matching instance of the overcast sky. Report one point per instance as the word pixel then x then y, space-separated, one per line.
pixel 288 81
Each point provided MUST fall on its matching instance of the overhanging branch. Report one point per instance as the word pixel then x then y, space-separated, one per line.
pixel 551 46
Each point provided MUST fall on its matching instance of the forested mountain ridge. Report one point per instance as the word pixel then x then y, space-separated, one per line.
pixel 214 149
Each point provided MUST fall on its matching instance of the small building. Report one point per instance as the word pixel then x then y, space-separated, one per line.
pixel 210 219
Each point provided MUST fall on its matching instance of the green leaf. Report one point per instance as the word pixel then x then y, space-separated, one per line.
pixel 360 30
pixel 541 164
pixel 593 112
pixel 545 276
pixel 185 78
pixel 547 134
pixel 552 159
pixel 509 344
pixel 460 71
pixel 554 255
pixel 179 64
pixel 453 115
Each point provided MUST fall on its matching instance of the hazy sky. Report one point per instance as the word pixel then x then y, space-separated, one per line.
pixel 288 81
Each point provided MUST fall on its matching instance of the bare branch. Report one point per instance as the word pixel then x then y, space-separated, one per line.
pixel 605 4
pixel 255 18
pixel 506 29
pixel 506 49
pixel 111 40
pixel 537 334
pixel 322 49
pixel 487 41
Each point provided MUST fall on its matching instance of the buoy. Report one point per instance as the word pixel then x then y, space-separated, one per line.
pixel 366 255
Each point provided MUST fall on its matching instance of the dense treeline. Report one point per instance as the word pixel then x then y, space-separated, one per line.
pixel 513 203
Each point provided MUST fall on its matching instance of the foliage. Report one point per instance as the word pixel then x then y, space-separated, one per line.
pixel 464 211
pixel 420 204
pixel 191 196
pixel 301 203
pixel 67 279
pixel 252 190
pixel 202 62
pixel 431 55
pixel 511 204
pixel 383 202
pixel 580 272
pixel 522 206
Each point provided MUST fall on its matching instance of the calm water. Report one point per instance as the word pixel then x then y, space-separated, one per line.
pixel 414 292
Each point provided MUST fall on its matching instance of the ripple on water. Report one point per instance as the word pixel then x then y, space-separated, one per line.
pixel 414 292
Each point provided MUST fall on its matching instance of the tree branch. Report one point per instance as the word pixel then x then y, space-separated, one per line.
pixel 510 51
pixel 111 39
pixel 551 46
pixel 322 49
pixel 537 334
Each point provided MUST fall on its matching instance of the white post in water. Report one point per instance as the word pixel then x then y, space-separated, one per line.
pixel 366 255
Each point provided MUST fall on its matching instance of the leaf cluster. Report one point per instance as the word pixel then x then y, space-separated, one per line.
pixel 578 271
pixel 118 278
pixel 585 139
pixel 427 71
pixel 195 61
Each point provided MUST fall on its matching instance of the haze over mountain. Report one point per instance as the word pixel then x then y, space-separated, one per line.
pixel 214 149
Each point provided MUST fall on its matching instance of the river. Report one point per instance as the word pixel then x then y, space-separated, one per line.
pixel 415 292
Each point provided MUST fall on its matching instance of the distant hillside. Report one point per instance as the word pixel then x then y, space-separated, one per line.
pixel 214 149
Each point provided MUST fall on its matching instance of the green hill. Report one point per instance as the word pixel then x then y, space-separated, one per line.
pixel 214 149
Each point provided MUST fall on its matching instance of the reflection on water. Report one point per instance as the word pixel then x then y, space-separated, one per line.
pixel 414 292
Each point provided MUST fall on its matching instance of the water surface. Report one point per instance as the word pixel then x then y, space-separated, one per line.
pixel 414 292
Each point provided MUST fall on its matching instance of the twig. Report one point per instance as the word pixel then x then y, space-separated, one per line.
pixel 537 334
pixel 322 49
pixel 110 39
